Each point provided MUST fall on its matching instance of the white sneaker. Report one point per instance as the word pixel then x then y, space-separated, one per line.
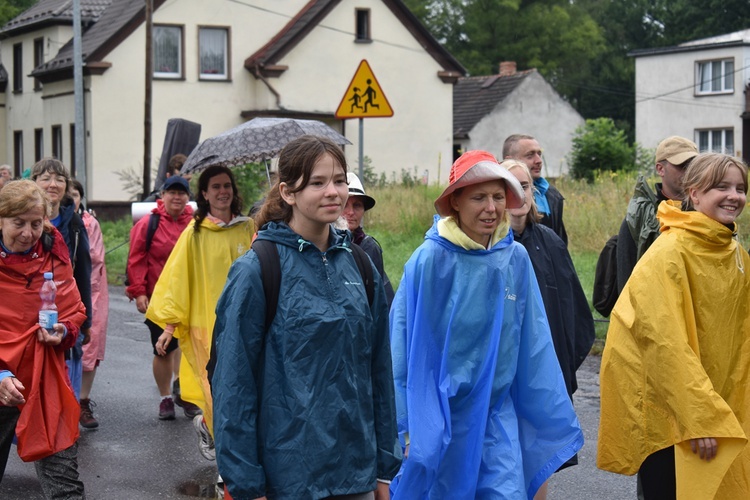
pixel 206 443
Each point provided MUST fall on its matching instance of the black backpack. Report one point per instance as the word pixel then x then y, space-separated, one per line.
pixel 270 271
pixel 605 278
pixel 153 225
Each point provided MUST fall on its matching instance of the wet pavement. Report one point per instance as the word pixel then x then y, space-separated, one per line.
pixel 135 456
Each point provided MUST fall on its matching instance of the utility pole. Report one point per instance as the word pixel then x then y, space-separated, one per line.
pixel 80 126
pixel 147 101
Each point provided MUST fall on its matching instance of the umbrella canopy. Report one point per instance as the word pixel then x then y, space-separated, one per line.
pixel 254 141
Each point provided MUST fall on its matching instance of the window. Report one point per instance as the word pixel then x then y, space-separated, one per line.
pixel 17 67
pixel 38 144
pixel 57 143
pixel 73 149
pixel 168 51
pixel 715 77
pixel 718 140
pixel 363 25
pixel 18 152
pixel 214 53
pixel 38 59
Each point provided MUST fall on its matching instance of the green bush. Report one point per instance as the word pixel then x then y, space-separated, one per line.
pixel 600 146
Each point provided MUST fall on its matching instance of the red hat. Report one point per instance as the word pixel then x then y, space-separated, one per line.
pixel 475 167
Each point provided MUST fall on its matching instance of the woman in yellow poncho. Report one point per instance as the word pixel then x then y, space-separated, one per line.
pixel 675 373
pixel 185 297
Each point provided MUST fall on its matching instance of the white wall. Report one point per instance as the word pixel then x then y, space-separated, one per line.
pixel 533 108
pixel 666 103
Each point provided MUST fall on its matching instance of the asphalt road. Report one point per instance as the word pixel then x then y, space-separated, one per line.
pixel 134 456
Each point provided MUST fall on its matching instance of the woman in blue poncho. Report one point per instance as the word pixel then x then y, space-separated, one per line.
pixel 481 403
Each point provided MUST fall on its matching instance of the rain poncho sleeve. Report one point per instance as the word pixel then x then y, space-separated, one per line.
pixel 478 386
pixel 186 295
pixel 676 365
pixel 304 410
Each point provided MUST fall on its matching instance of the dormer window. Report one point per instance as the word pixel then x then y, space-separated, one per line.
pixel 362 32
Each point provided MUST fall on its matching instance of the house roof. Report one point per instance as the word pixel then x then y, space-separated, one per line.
pixel 49 12
pixel 267 57
pixel 476 96
pixel 736 39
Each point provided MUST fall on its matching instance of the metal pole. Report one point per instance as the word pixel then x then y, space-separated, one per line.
pixel 80 126
pixel 147 103
pixel 362 150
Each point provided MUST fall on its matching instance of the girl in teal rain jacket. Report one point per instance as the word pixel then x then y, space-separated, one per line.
pixel 481 403
pixel 304 409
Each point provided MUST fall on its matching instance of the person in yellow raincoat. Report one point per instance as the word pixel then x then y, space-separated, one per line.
pixel 185 297
pixel 675 372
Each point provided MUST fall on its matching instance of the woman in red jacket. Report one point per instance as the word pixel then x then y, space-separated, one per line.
pixel 37 402
pixel 145 263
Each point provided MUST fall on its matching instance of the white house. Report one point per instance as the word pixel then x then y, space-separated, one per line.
pixel 487 109
pixel 219 63
pixel 697 90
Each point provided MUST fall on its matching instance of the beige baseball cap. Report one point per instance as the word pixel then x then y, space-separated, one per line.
pixel 676 150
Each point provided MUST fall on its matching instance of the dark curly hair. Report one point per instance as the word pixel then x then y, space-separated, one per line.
pixel 202 202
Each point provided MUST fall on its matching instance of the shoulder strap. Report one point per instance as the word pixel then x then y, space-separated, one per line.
pixel 48 239
pixel 365 270
pixel 153 225
pixel 270 273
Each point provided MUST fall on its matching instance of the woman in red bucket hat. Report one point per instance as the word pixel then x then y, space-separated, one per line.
pixel 481 404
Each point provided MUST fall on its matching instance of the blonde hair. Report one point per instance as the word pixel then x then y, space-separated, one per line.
pixel 706 171
pixel 22 196
pixel 533 216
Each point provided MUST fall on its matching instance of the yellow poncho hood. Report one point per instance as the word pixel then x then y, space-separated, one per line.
pixel 676 365
pixel 187 292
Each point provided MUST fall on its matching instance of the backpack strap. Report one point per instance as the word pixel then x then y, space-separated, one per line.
pixel 153 225
pixel 270 273
pixel 365 270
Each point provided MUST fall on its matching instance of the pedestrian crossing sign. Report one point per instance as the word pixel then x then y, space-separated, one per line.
pixel 364 98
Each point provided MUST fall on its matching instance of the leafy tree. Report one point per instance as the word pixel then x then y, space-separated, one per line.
pixel 11 8
pixel 600 146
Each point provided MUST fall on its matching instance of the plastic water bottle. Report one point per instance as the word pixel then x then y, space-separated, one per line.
pixel 48 310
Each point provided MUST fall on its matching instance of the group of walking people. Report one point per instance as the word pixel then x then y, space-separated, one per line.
pixel 307 377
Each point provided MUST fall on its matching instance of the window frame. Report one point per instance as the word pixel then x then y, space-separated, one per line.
pixel 57 142
pixel 38 144
pixel 38 60
pixel 707 144
pixel 362 25
pixel 72 141
pixel 18 152
pixel 226 76
pixel 708 64
pixel 180 73
pixel 18 68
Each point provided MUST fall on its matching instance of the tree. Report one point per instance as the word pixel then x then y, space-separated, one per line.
pixel 11 8
pixel 600 146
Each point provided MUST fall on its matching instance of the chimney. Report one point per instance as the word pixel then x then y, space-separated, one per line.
pixel 507 68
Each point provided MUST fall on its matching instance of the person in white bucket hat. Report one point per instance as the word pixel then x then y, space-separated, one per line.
pixel 354 211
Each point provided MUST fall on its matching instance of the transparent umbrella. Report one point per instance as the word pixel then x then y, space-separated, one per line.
pixel 259 139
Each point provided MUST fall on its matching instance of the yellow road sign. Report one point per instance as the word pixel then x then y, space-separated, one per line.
pixel 364 98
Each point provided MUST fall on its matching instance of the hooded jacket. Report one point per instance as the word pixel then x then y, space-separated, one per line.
pixel 676 365
pixel 74 234
pixel 565 303
pixel 187 292
pixel 144 268
pixel 478 385
pixel 304 410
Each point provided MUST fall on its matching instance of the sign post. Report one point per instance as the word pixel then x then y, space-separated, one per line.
pixel 364 98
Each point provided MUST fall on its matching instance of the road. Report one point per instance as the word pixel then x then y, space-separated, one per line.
pixel 134 456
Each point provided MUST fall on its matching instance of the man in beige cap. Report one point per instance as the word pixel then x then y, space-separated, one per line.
pixel 641 227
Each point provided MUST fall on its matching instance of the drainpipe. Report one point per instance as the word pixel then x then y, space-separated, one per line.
pixel 259 75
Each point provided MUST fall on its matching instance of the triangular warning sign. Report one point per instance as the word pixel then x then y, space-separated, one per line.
pixel 364 98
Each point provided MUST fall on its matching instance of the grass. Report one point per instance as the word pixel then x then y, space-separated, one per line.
pixel 593 213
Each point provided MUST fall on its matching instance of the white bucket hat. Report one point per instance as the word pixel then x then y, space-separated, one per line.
pixel 356 189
